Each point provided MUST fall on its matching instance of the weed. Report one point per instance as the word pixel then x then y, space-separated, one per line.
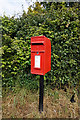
pixel 66 109
pixel 56 95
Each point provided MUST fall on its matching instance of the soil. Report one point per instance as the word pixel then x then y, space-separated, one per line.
pixel 56 104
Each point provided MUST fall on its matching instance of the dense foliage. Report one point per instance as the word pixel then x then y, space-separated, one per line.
pixel 58 22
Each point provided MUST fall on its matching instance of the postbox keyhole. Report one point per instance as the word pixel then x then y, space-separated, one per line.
pixel 37 52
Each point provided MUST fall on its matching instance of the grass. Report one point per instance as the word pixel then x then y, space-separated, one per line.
pixel 24 104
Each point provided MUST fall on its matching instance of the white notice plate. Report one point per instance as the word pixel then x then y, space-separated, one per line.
pixel 37 61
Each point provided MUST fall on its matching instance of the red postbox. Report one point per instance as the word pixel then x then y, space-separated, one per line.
pixel 40 55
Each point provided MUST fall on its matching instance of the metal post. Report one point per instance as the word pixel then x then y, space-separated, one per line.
pixel 41 92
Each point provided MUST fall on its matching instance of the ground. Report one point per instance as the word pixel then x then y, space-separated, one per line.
pixel 0 108
pixel 25 104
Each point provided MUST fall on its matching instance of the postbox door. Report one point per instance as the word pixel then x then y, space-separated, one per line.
pixel 37 63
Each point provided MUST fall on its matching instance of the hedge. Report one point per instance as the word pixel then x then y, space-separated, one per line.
pixel 60 24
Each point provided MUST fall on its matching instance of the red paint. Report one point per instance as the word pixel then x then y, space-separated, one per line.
pixel 41 48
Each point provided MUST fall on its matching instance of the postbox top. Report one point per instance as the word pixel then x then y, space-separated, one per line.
pixel 34 37
pixel 38 39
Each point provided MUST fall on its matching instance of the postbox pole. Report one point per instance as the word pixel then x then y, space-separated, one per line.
pixel 41 92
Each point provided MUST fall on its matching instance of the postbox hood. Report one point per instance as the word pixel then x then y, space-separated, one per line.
pixel 38 39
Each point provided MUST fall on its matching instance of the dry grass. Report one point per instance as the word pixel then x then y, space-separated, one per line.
pixel 25 105
pixel 0 108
